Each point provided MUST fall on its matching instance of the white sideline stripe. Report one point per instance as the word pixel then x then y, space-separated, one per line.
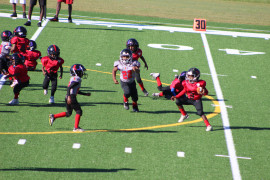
pixel 154 27
pixel 224 115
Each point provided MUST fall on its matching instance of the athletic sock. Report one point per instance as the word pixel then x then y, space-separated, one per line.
pixel 16 95
pixel 77 120
pixel 183 112
pixel 141 86
pixel 161 94
pixel 134 104
pixel 125 99
pixel 206 122
pixel 158 81
pixel 59 115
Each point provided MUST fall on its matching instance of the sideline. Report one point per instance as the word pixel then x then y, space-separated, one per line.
pixel 224 115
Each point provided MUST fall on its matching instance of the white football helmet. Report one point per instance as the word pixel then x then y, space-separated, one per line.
pixel 126 53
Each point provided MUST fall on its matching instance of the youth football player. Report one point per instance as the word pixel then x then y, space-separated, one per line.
pixel 19 41
pixel 19 72
pixel 127 69
pixel 194 88
pixel 31 56
pixel 50 66
pixel 77 71
pixel 133 45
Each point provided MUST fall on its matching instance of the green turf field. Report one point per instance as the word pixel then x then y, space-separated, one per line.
pixel 153 134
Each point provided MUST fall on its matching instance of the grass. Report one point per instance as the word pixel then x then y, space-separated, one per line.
pixel 154 148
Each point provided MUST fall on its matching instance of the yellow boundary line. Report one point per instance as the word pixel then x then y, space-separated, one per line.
pixel 215 113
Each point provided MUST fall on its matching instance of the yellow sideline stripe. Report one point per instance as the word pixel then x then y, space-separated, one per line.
pixel 215 113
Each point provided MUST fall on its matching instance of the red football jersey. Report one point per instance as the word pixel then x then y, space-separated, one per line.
pixel 177 85
pixel 21 71
pixel 31 58
pixel 51 66
pixel 21 44
pixel 136 55
pixel 191 89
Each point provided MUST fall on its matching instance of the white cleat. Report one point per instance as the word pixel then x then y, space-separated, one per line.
pixel 155 75
pixel 209 128
pixel 14 102
pixel 78 129
pixel 145 92
pixel 182 118
pixel 45 91
pixel 51 119
pixel 155 94
pixel 51 101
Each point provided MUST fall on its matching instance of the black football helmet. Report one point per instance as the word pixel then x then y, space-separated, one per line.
pixel 182 76
pixel 32 45
pixel 126 53
pixel 6 35
pixel 193 75
pixel 18 58
pixel 20 31
pixel 53 52
pixel 78 70
pixel 132 42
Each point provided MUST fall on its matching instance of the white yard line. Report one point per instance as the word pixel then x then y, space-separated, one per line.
pixel 37 33
pixel 224 115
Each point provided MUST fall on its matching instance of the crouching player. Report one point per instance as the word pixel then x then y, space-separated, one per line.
pixel 194 89
pixel 77 71
pixel 19 72
pixel 127 70
pixel 172 90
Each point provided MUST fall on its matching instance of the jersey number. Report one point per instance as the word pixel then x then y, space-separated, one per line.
pixel 127 74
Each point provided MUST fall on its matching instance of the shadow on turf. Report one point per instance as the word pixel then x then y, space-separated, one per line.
pixel 221 128
pixel 83 170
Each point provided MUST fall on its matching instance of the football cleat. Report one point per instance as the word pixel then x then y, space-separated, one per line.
pixel 145 92
pixel 182 118
pixel 155 94
pixel 45 91
pixel 51 119
pixel 51 101
pixel 13 15
pixel 126 105
pixel 209 128
pixel 69 20
pixel 55 19
pixel 14 102
pixel 78 129
pixel 28 23
pixel 135 109
pixel 155 75
pixel 39 24
pixel 24 15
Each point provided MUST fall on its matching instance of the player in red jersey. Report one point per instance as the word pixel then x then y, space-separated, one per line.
pixel 133 45
pixel 77 71
pixel 194 89
pixel 127 70
pixel 172 90
pixel 50 66
pixel 19 41
pixel 31 56
pixel 19 72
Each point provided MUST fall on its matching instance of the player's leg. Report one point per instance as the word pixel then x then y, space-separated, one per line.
pixel 54 88
pixel 180 102
pixel 17 89
pixel 76 106
pixel 58 8
pixel 134 96
pixel 23 2
pixel 30 10
pixel 46 83
pixel 126 94
pixel 139 81
pixel 199 107
pixel 14 2
pixel 69 13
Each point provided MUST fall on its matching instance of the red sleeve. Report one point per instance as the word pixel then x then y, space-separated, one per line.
pixel 44 61
pixel 183 91
pixel 13 40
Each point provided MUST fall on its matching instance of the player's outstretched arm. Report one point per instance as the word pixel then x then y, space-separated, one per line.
pixel 61 72
pixel 144 61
